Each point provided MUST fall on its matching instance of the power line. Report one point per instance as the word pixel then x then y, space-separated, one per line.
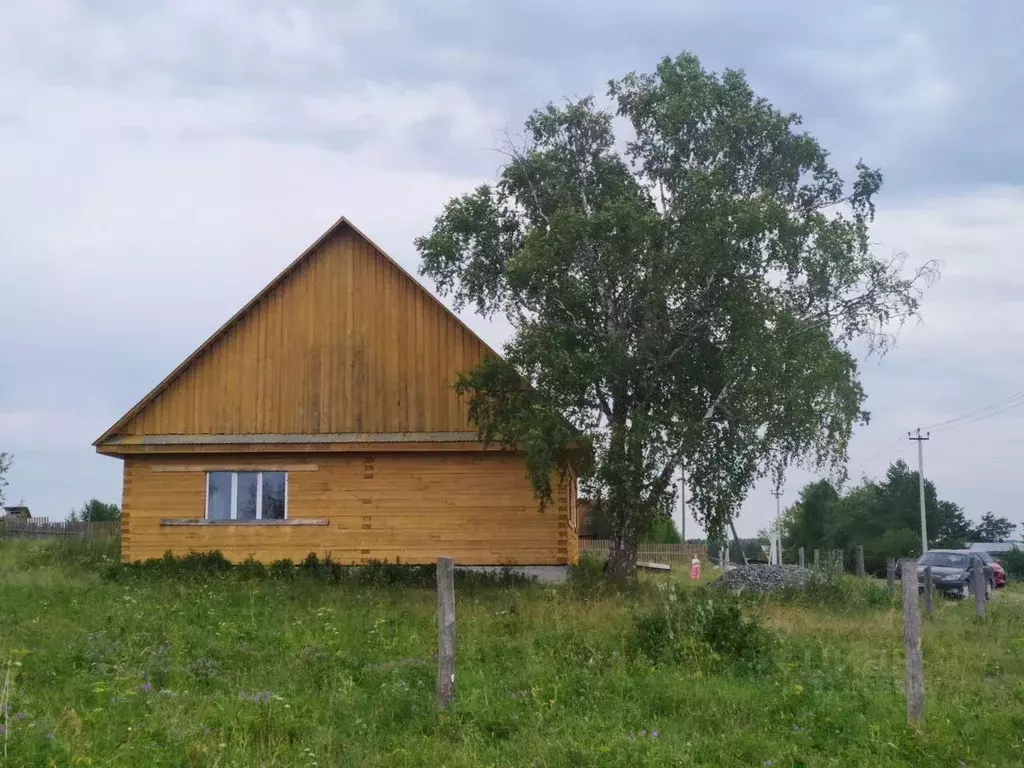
pixel 1016 399
pixel 884 449
pixel 1008 407
pixel 862 465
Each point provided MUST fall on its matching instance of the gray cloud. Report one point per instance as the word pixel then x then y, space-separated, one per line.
pixel 164 160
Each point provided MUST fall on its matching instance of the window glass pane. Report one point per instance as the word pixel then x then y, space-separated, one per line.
pixel 218 501
pixel 273 495
pixel 247 495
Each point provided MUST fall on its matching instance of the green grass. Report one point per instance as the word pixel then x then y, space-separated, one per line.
pixel 222 670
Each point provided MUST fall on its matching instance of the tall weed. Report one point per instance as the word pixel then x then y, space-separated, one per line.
pixel 702 629
pixel 831 588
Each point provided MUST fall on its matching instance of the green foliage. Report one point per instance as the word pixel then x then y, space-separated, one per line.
pixel 586 578
pixel 994 528
pixel 663 531
pixel 5 466
pixel 94 553
pixel 1013 561
pixel 201 565
pixel 702 629
pixel 695 297
pixel 221 670
pixel 828 587
pixel 96 511
pixel 883 517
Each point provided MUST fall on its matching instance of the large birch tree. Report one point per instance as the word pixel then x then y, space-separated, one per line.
pixel 688 279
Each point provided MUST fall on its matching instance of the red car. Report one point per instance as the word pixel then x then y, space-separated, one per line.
pixel 997 568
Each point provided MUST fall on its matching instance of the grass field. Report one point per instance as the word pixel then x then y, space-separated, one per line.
pixel 223 669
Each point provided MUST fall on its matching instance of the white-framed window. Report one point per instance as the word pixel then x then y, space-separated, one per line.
pixel 246 495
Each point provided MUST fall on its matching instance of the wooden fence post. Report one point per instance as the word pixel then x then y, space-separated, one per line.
pixel 445 633
pixel 912 647
pixel 928 605
pixel 800 557
pixel 890 573
pixel 978 587
pixel 861 572
pixel 817 559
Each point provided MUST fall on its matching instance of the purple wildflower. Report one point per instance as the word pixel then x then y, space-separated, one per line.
pixel 49 737
pixel 655 734
pixel 21 715
pixel 3 730
pixel 145 688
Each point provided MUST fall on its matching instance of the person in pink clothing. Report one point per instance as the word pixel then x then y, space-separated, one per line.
pixel 695 569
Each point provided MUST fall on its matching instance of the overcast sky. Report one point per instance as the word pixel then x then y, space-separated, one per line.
pixel 162 161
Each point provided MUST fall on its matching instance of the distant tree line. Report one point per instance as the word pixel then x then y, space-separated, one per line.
pixel 96 511
pixel 882 516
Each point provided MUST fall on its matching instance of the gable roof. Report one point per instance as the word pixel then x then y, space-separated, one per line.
pixel 339 226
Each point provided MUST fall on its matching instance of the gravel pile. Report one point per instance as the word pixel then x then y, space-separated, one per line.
pixel 761 579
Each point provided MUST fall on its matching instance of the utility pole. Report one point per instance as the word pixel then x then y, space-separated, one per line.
pixel 777 493
pixel 920 480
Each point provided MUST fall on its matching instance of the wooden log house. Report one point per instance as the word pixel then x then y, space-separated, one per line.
pixel 322 418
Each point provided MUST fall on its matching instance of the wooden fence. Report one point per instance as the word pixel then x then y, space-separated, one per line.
pixel 43 528
pixel 675 554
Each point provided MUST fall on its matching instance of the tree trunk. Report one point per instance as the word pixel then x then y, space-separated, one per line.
pixel 622 558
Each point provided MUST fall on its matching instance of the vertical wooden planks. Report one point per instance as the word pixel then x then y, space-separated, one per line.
pixel 345 342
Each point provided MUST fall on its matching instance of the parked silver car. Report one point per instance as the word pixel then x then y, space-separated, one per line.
pixel 951 571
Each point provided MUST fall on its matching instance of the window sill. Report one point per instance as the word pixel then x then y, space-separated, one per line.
pixel 203 522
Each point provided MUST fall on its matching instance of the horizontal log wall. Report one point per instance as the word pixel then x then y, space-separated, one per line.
pixel 477 508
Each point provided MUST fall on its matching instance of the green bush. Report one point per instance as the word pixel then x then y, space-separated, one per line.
pixel 325 570
pixel 586 578
pixel 698 628
pixel 837 589
pixel 1013 561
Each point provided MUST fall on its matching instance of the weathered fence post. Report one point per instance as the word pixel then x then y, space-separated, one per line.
pixel 890 573
pixel 725 559
pixel 978 587
pixel 445 633
pixel 912 647
pixel 861 572
pixel 800 556
pixel 928 606
pixel 817 559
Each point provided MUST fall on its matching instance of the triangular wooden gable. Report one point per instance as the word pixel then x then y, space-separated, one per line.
pixel 344 341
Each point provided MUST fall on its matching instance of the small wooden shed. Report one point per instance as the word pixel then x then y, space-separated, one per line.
pixel 322 418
